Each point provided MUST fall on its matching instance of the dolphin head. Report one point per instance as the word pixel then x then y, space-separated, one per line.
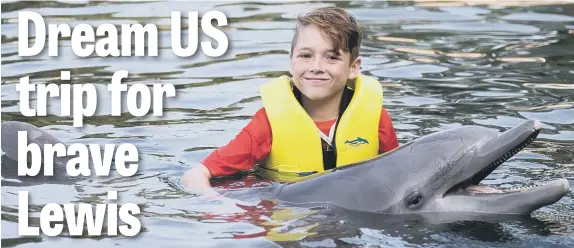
pixel 432 174
pixel 445 165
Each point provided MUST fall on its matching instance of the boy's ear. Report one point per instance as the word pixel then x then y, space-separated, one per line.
pixel 355 68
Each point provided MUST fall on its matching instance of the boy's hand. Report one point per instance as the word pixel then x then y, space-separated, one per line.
pixel 208 193
pixel 196 178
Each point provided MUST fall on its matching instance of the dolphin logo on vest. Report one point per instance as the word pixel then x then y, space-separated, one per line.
pixel 357 141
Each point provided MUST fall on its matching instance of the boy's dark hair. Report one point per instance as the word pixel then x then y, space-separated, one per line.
pixel 336 25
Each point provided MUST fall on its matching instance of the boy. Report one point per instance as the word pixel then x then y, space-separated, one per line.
pixel 326 116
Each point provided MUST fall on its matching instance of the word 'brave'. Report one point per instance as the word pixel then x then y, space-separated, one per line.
pixel 125 158
pixel 83 35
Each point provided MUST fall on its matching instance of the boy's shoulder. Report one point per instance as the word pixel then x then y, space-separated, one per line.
pixel 260 113
pixel 259 119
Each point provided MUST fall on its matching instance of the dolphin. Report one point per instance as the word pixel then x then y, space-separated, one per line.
pixel 9 130
pixel 35 135
pixel 431 175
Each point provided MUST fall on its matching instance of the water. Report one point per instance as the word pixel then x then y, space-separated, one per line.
pixel 442 64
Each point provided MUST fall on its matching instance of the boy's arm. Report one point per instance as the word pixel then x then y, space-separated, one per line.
pixel 387 135
pixel 197 179
pixel 252 144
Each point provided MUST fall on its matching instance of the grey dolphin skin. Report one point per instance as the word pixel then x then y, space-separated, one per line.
pixel 9 130
pixel 429 175
pixel 34 134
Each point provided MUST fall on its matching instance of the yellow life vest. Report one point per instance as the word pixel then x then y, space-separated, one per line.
pixel 296 142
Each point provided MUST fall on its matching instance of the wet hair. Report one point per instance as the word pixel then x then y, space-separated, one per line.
pixel 336 25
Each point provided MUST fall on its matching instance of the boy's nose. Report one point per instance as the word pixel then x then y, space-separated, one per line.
pixel 317 66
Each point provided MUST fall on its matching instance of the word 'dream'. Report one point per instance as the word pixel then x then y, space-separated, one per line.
pixel 85 40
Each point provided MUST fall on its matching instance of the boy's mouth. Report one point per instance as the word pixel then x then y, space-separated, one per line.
pixel 314 80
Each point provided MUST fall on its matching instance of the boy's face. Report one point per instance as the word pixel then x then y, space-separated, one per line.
pixel 320 73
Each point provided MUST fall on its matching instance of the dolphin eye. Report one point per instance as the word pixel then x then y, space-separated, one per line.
pixel 415 199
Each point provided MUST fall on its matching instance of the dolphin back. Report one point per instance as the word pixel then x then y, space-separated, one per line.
pixel 35 135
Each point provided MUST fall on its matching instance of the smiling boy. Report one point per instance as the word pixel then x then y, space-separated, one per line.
pixel 326 115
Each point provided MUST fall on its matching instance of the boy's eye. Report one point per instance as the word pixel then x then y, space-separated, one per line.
pixel 305 55
pixel 333 57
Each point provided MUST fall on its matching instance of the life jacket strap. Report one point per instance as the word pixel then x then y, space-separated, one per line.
pixel 329 139
pixel 330 154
